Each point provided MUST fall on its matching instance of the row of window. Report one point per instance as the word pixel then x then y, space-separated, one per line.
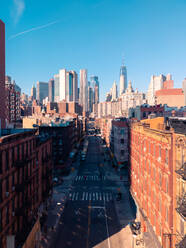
pixel 20 151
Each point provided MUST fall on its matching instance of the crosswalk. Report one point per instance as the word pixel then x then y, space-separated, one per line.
pixel 90 196
pixel 90 178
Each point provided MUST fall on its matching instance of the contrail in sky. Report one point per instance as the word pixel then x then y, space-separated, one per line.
pixel 32 29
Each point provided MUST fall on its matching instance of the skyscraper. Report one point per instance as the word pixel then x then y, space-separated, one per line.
pixel 123 79
pixel 95 85
pixel 83 96
pixel 56 88
pixel 33 92
pixel 42 91
pixel 62 85
pixel 51 90
pixel 68 90
pixel 90 99
pixel 114 91
pixel 75 86
pixel 2 75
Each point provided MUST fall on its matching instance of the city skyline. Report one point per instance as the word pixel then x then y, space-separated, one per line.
pixel 89 51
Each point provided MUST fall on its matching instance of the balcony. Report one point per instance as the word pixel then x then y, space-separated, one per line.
pixel 182 171
pixel 181 205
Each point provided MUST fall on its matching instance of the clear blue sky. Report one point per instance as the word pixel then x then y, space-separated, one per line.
pixel 94 34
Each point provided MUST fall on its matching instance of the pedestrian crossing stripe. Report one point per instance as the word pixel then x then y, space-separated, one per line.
pixel 90 196
pixel 89 178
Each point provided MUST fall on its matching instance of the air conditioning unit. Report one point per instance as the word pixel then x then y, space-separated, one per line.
pixel 13 188
pixel 7 194
pixel 13 213
pixel 159 159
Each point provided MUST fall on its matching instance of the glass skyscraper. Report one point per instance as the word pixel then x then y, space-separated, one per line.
pixel 95 85
pixel 123 79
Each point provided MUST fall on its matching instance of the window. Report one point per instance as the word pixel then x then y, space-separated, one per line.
pixel 122 131
pixel 1 162
pixel 166 185
pixel 167 215
pixel 7 160
pixel 7 184
pixel 7 214
pixel 26 148
pixel 13 179
pixel 166 156
pixel 160 179
pixel 18 153
pixel 122 141
pixel 160 204
pixel 122 152
pixel 22 151
pixel 13 155
pixel 159 151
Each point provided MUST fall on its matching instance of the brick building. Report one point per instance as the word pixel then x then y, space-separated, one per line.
pixel 171 97
pixel 2 75
pixel 13 110
pixel 179 146
pixel 25 181
pixel 152 171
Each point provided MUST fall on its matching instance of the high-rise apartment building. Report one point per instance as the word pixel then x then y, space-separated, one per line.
pixel 69 87
pixel 51 90
pixel 42 91
pixel 56 88
pixel 33 92
pixel 83 97
pixel 2 74
pixel 95 84
pixel 123 79
pixel 13 93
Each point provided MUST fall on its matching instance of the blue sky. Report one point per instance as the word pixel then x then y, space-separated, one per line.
pixel 95 34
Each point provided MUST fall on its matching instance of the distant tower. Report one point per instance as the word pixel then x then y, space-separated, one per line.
pixel 123 78
pixel 51 90
pixel 95 85
pixel 114 91
pixel 83 94
pixel 33 92
pixel 74 86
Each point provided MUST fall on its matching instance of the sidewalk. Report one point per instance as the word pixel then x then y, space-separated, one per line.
pixel 55 209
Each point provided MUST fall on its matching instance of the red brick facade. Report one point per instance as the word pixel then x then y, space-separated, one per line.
pixel 151 160
pixel 25 180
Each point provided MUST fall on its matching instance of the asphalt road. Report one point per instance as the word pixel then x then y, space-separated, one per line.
pixel 89 218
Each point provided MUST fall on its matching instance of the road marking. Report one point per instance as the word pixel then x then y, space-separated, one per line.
pixel 107 226
pixel 89 222
pixel 73 196
pixel 96 196
pixel 83 197
pixel 77 196
pixel 104 196
pixel 86 196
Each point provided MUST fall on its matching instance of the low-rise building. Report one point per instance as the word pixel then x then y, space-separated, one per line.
pixel 120 140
